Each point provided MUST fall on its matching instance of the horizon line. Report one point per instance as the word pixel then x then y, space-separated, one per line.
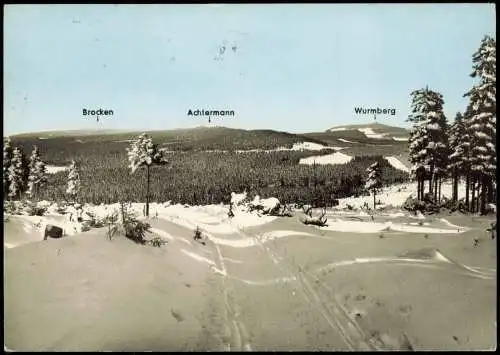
pixel 133 130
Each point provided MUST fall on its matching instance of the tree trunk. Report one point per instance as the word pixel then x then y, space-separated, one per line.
pixel 439 194
pixel 478 193
pixel 374 193
pixel 490 196
pixel 484 187
pixel 473 197
pixel 455 185
pixel 430 182
pixel 467 188
pixel 422 187
pixel 484 193
pixel 147 190
pixel 436 189
pixel 419 184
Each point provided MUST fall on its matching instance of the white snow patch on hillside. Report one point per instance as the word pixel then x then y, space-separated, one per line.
pixel 345 140
pixel 307 146
pixel 396 163
pixel 400 139
pixel 53 169
pixel 296 147
pixel 335 158
pixel 371 134
pixel 337 129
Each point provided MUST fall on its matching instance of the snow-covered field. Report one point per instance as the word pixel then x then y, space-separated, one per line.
pixel 345 140
pixel 258 283
pixel 400 139
pixel 335 158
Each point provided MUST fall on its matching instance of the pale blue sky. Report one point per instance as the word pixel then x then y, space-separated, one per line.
pixel 297 67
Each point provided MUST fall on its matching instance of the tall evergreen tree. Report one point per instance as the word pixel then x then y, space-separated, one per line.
pixel 482 120
pixel 459 152
pixel 143 152
pixel 374 182
pixel 16 174
pixel 37 173
pixel 74 183
pixel 428 140
pixel 7 159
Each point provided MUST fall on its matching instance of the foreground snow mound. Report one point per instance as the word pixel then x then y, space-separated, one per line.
pixel 339 225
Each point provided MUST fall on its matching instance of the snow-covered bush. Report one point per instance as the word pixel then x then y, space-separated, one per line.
pixel 453 206
pixel 34 209
pixel 129 226
pixel 413 205
pixel 316 220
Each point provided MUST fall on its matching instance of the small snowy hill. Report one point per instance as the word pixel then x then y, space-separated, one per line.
pixel 374 131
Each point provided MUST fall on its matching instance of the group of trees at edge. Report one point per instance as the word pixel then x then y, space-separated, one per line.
pixel 23 176
pixel 464 150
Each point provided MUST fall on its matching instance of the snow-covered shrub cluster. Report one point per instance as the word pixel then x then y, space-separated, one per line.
pixel 269 206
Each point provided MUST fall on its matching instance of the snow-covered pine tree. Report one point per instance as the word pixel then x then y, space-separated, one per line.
pixel 143 152
pixel 482 121
pixel 417 143
pixel 37 173
pixel 73 181
pixel 16 174
pixel 7 159
pixel 374 182
pixel 428 141
pixel 459 141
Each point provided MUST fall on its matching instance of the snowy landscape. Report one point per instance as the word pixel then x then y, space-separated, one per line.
pixel 353 237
